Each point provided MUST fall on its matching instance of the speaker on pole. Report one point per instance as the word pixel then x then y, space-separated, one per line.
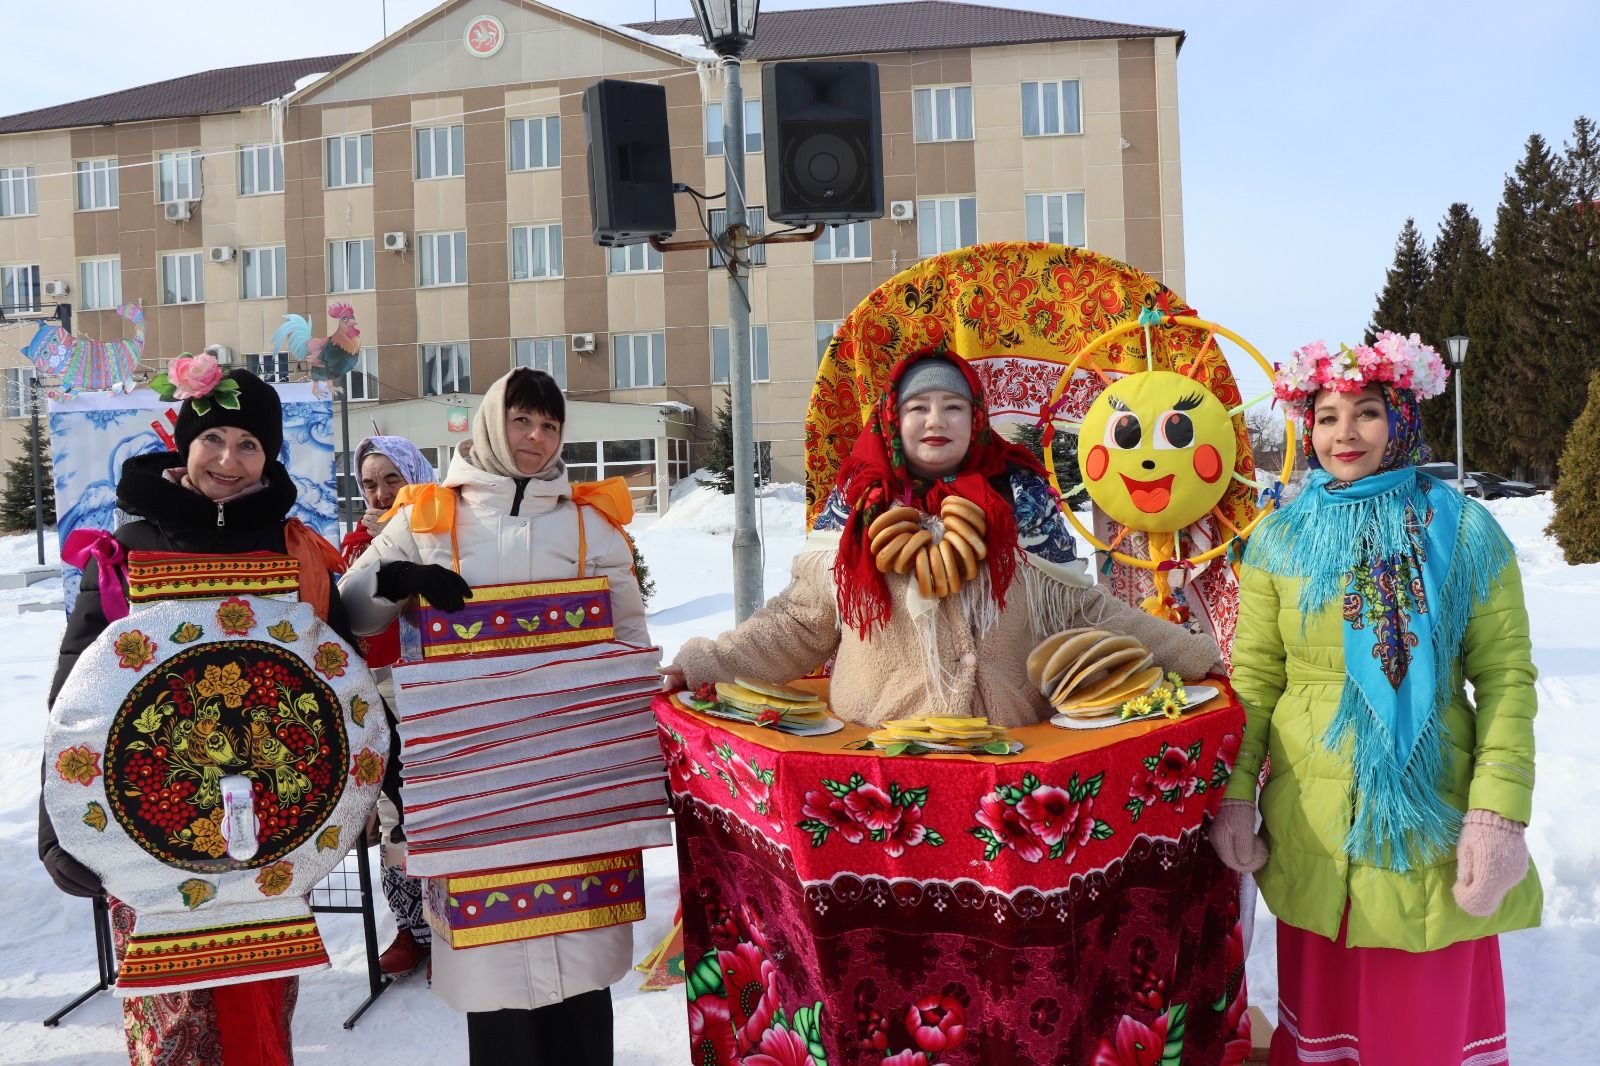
pixel 824 142
pixel 630 162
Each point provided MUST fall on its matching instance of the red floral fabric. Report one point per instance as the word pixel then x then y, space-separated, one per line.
pixel 843 907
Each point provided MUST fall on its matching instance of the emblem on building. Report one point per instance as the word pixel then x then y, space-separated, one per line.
pixel 484 36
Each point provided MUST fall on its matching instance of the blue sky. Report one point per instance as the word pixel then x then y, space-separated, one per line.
pixel 1309 131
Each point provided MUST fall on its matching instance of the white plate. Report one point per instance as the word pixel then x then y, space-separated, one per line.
pixel 1193 695
pixel 832 725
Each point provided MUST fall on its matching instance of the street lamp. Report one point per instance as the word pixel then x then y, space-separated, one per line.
pixel 1457 347
pixel 728 26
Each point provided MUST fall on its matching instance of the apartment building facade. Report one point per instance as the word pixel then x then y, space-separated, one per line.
pixel 437 182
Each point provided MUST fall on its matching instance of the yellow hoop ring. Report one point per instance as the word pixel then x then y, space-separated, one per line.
pixel 1049 453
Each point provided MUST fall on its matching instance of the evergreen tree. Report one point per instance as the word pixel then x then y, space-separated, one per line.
pixel 1402 286
pixel 1064 449
pixel 16 505
pixel 719 455
pixel 1524 367
pixel 641 573
pixel 1576 282
pixel 1458 266
pixel 1576 523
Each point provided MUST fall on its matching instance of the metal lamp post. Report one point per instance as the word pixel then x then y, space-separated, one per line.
pixel 728 26
pixel 1457 346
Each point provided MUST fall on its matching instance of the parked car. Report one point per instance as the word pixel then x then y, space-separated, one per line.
pixel 1496 487
pixel 1446 472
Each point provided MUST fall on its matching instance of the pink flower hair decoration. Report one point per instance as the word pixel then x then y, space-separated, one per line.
pixel 1404 362
pixel 198 379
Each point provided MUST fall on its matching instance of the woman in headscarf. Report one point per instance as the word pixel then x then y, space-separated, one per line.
pixel 222 491
pixel 1392 852
pixel 949 634
pixel 384 466
pixel 546 1000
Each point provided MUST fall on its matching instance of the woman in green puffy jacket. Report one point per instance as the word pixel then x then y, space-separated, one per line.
pixel 1391 848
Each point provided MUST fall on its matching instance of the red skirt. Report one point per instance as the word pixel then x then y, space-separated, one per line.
pixel 1385 1007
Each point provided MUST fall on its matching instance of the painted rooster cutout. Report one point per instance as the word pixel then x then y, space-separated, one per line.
pixel 329 359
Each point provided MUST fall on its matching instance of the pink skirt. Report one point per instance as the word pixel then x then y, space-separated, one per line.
pixel 1385 1007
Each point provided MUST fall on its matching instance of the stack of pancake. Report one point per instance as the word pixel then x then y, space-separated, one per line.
pixel 1087 673
pixel 762 703
pixel 938 733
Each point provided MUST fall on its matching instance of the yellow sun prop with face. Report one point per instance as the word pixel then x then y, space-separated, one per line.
pixel 1156 451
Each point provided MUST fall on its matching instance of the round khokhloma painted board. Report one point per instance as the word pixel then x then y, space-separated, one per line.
pixel 212 760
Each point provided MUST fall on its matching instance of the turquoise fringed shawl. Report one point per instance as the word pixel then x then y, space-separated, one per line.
pixel 1409 558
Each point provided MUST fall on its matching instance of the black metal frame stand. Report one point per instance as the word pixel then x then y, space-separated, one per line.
pixel 377 980
pixel 105 959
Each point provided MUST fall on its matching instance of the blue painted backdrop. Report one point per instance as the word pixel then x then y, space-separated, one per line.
pixel 91 434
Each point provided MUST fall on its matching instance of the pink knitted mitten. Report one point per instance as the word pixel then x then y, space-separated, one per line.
pixel 1491 858
pixel 1233 834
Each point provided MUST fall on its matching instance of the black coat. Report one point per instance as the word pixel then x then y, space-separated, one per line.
pixel 170 518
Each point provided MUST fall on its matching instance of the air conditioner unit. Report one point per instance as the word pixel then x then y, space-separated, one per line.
pixel 179 210
pixel 395 242
pixel 56 288
pixel 583 342
pixel 221 352
pixel 222 253
pixel 903 210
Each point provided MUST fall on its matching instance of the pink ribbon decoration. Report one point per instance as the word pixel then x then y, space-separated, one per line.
pixel 109 555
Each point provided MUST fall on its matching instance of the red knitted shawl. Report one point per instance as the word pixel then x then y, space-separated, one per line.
pixel 875 477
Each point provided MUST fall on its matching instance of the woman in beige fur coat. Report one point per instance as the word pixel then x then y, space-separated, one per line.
pixel 909 581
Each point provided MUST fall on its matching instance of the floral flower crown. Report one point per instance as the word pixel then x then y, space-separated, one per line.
pixel 200 380
pixel 1404 362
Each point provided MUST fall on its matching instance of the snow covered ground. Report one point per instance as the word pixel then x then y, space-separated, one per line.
pixel 46 947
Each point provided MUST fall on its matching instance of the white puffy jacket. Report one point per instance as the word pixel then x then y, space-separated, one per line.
pixel 538 543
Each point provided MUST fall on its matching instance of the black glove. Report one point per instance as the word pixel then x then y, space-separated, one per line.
pixel 443 587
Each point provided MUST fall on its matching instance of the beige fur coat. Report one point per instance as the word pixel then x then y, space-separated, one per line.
pixel 960 655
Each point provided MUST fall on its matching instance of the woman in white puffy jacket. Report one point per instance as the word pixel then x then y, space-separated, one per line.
pixel 545 1000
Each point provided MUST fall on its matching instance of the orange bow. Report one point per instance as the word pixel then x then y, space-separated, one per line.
pixel 433 510
pixel 610 497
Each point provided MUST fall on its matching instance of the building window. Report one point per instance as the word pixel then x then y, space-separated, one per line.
pixel 260 169
pixel 179 176
pixel 18 391
pixel 825 332
pixel 17 196
pixel 760 362
pixel 544 353
pixel 536 143
pixel 273 366
pixel 1050 108
pixel 946 224
pixel 99 284
pixel 632 259
pixel 263 274
pixel 632 460
pixel 350 267
pixel 755 220
pixel 97 184
pixel 752 128
pixel 1056 217
pixel 677 459
pixel 361 382
pixel 853 240
pixel 583 460
pixel 446 369
pixel 19 288
pixel 349 160
pixel 441 152
pixel 535 252
pixel 942 114
pixel 638 360
pixel 181 279
pixel 443 259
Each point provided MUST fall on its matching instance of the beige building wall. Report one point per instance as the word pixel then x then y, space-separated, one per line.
pixel 1125 162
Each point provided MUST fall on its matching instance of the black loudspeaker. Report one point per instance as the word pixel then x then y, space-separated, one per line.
pixel 824 138
pixel 630 162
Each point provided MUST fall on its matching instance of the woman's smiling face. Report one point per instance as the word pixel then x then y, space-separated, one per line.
pixel 1349 431
pixel 936 431
pixel 224 460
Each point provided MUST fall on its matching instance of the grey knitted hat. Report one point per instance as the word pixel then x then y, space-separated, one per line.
pixel 934 375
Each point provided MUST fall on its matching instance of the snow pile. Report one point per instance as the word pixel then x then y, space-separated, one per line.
pixel 780 510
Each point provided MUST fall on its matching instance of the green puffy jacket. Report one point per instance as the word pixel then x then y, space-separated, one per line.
pixel 1289 681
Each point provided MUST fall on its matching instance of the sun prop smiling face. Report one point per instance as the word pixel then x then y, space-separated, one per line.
pixel 1156 451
